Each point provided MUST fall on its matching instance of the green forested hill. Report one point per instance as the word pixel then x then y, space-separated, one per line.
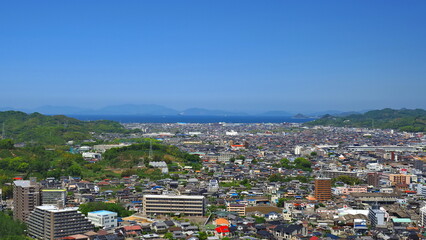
pixel 410 120
pixel 43 129
pixel 130 156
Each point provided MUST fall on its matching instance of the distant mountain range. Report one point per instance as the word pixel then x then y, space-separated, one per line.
pixel 159 110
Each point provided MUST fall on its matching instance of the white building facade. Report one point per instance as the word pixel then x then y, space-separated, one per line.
pixel 103 218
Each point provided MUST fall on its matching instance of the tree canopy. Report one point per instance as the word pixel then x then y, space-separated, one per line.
pixel 410 120
pixel 96 206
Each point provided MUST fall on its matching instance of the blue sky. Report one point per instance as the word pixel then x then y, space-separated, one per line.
pixel 231 55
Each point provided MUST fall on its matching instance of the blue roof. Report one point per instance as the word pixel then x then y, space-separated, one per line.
pixel 102 212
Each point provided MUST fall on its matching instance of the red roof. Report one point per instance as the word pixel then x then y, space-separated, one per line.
pixel 17 178
pixel 222 229
pixel 314 238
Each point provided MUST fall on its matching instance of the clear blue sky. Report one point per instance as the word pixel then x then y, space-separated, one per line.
pixel 232 55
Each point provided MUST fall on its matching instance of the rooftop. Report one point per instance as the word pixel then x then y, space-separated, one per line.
pixel 103 212
pixel 53 208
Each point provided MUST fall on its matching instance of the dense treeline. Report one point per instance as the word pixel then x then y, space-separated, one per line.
pixel 129 156
pixel 11 229
pixel 41 163
pixel 410 120
pixel 299 163
pixel 96 206
pixel 42 129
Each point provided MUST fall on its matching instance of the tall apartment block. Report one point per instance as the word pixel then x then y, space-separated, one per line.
pixel 373 179
pixel 26 196
pixel 376 216
pixel 323 189
pixel 423 216
pixel 53 196
pixel 400 178
pixel 171 204
pixel 418 164
pixel 51 222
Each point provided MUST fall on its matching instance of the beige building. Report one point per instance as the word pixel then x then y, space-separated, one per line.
pixel 26 196
pixel 50 222
pixel 400 178
pixel 237 208
pixel 323 189
pixel 173 204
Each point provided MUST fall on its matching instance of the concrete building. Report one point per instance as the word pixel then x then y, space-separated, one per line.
pixel 213 186
pixel 50 222
pixel 418 164
pixel 400 178
pixel 53 196
pixel 376 216
pixel 322 189
pixel 26 196
pixel 373 179
pixel 172 204
pixel 103 218
pixel 237 208
pixel 423 216
pixel 335 174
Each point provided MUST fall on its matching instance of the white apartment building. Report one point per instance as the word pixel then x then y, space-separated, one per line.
pixel 173 204
pixel 103 218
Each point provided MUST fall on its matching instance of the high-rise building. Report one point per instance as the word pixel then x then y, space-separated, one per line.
pixel 376 216
pixel 323 189
pixel 400 178
pixel 26 196
pixel 418 164
pixel 373 179
pixel 171 204
pixel 53 196
pixel 51 222
pixel 423 216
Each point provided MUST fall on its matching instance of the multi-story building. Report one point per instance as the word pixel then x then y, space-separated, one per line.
pixel 373 179
pixel 171 204
pixel 418 164
pixel 213 186
pixel 26 196
pixel 335 174
pixel 351 189
pixel 423 216
pixel 400 178
pixel 237 208
pixel 103 218
pixel 376 216
pixel 51 222
pixel 53 196
pixel 323 189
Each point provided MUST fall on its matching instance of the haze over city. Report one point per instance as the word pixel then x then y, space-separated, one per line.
pixel 249 56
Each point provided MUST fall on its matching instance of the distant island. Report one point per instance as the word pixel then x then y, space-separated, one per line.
pixel 140 110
